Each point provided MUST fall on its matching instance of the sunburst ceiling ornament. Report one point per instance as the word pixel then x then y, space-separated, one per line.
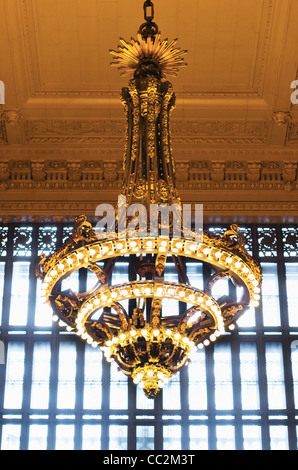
pixel 161 53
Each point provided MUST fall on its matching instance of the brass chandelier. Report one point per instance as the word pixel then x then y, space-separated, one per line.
pixel 146 345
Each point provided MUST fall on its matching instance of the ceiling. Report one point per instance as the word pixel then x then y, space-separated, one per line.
pixel 234 127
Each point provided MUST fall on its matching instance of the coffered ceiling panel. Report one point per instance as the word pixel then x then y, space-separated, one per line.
pixel 68 42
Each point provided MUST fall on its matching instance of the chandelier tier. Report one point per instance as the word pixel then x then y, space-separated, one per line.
pixel 146 345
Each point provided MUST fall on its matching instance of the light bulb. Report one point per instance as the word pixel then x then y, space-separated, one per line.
pixel 155 332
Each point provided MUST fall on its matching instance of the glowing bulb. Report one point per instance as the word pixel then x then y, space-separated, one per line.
pixel 92 252
pixel 115 340
pixel 177 336
pixel 144 332
pixel 163 243
pixel 105 249
pixel 119 246
pixel 133 333
pixel 133 244
pixel 218 254
pixel 212 337
pixel 124 292
pixel 150 373
pixel 114 295
pixel 80 255
pixel 208 302
pixel 206 342
pixel 229 260
pixel 149 243
pixel 232 327
pixel 160 375
pixel 136 291
pixel 245 269
pixel 257 290
pixel 122 336
pixel 104 297
pixel 109 343
pixel 61 267
pixel 159 290
pixel 238 265
pixel 147 291
pixel 191 297
pixel 69 261
pixel 182 294
pixel 185 339
pixel 192 247
pixel 168 332
pixel 155 332
pixel 206 251
pixel 178 245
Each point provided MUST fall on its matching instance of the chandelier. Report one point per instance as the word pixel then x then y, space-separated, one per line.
pixel 147 346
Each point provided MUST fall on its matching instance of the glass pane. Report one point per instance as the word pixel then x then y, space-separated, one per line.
pixel 3 240
pixel 19 294
pixel 292 292
pixel 38 435
pixel 275 376
pixel 290 241
pixel 248 319
pixel 47 238
pixel 41 375
pixel 252 438
pixel 225 437
pixel 267 241
pixel 170 307
pixel 120 275
pixel 91 437
pixel 11 434
pixel 170 272
pixel 171 393
pixel 66 376
pixel 172 437
pixel 279 438
pixel 223 376
pixel 2 273
pixel 92 381
pixel 145 437
pixel 220 288
pixel 13 395
pixel 270 295
pixel 294 358
pixel 249 376
pixel 118 438
pixel 43 311
pixel 65 437
pixel 197 382
pixel 198 437
pixel 118 389
pixel 71 282
pixel 143 403
pixel 195 274
pixel 22 241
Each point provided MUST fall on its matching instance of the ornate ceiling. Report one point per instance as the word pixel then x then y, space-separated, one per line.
pixel 234 129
